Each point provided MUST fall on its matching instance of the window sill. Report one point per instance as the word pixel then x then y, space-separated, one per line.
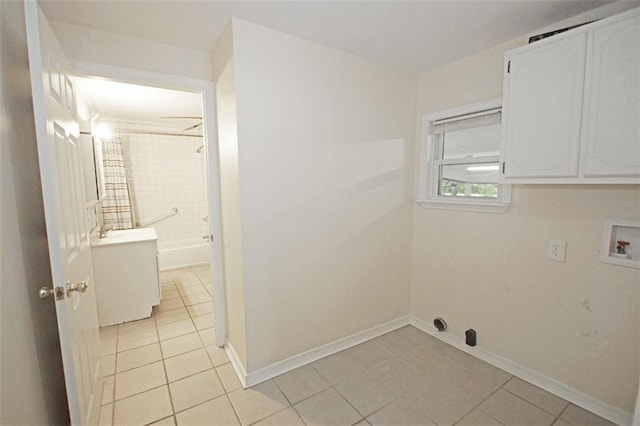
pixel 476 206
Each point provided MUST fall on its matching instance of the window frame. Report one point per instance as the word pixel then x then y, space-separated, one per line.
pixel 428 176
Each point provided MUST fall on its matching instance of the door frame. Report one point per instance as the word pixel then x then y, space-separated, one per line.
pixel 206 89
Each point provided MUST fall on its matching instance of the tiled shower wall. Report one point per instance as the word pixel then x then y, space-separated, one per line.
pixel 165 172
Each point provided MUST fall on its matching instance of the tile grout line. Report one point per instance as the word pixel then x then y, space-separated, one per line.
pixel 167 383
pixel 415 368
pixel 282 391
pixel 273 414
pixel 201 341
pixel 477 406
pixel 182 378
pixel 354 407
pixel 215 369
pixel 331 386
pixel 115 373
pixel 555 417
pixel 385 406
pixel 137 393
pixel 115 376
pixel 193 322
pixel 164 366
pixel 348 402
pixel 199 404
pixel 393 355
pixel 142 365
pixel 396 396
pixel 562 412
pixel 164 418
pixel 233 407
pixel 280 411
pixel 141 392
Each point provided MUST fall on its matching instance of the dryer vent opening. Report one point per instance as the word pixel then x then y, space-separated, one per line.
pixel 440 324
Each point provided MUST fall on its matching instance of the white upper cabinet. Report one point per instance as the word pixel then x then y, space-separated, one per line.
pixel 543 99
pixel 571 106
pixel 612 94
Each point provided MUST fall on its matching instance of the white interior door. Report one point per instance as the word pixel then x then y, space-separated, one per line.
pixel 57 134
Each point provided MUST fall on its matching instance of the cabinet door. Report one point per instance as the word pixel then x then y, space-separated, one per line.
pixel 542 108
pixel 612 100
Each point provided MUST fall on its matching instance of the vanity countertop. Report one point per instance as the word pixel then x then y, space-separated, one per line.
pixel 126 236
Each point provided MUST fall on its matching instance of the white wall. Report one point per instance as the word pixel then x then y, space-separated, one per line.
pixel 32 386
pixel 576 322
pixel 103 47
pixel 323 165
pixel 325 144
pixel 166 172
pixel 224 75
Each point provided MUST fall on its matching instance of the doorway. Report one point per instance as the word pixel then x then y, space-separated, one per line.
pixel 151 144
pixel 165 126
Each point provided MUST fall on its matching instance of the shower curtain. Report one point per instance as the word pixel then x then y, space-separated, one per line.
pixel 116 205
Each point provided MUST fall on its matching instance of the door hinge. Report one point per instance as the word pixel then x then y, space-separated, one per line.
pixel 504 163
pixel 508 67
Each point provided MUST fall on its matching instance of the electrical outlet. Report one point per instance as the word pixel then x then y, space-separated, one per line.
pixel 556 250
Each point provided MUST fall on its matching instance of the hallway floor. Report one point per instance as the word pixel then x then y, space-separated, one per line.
pixel 166 370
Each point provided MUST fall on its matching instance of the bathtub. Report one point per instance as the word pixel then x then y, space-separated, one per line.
pixel 182 253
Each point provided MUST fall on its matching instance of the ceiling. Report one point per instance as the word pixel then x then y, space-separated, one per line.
pixel 140 103
pixel 415 36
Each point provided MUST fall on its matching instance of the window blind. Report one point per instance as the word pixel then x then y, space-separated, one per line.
pixel 478 119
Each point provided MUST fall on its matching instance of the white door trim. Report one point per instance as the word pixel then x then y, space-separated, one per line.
pixel 207 89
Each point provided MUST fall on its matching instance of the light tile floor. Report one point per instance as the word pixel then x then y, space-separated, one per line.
pixel 166 370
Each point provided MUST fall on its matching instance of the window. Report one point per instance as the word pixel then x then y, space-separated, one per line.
pixel 460 157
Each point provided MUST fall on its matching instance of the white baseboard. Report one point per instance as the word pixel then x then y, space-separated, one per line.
pixel 304 358
pixel 609 412
pixel 183 266
pixel 237 365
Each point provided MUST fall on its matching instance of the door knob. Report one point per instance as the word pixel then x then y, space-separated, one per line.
pixel 80 287
pixel 45 292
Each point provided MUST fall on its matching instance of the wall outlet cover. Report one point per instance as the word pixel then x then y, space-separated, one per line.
pixel 556 250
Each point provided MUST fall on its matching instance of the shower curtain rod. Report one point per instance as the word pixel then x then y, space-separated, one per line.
pixel 131 132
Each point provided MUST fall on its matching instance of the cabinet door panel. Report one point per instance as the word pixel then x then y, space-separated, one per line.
pixel 542 109
pixel 612 125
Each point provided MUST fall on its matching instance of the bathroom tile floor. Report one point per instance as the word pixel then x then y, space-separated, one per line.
pixel 166 370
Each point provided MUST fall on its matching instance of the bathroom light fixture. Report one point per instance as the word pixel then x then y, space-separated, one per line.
pixel 102 132
pixel 487 168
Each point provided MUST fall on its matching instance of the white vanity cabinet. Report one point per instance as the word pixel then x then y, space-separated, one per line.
pixel 125 266
pixel 571 106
